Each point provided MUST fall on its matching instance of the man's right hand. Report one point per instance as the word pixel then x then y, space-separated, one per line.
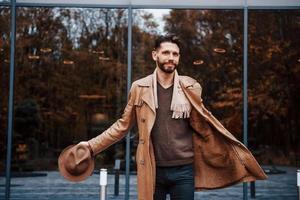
pixel 86 144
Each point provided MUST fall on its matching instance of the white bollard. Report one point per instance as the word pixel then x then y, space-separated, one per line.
pixel 103 183
pixel 298 182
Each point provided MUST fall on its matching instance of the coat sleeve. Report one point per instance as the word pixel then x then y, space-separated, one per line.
pixel 119 129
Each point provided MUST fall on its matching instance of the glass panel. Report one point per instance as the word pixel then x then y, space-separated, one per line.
pixel 273 3
pixel 211 52
pixel 155 3
pixel 274 120
pixel 70 85
pixel 4 82
pixel 188 3
pixel 86 2
pixel 4 1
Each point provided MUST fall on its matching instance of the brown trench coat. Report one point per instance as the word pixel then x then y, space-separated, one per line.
pixel 220 159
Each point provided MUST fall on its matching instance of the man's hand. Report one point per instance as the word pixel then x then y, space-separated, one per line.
pixel 86 144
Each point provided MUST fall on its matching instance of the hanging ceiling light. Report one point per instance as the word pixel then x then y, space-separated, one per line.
pixel 198 62
pixel 99 117
pixel 68 62
pixel 219 50
pixel 103 58
pixel 33 57
pixel 46 50
pixel 97 52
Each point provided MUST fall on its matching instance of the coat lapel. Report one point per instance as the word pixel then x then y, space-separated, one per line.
pixel 147 91
pixel 148 98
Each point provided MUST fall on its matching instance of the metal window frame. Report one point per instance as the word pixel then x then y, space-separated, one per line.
pixel 285 5
pixel 245 89
pixel 10 99
pixel 171 3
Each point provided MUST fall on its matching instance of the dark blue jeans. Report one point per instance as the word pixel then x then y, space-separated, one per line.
pixel 177 181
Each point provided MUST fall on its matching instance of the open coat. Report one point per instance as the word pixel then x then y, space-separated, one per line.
pixel 220 159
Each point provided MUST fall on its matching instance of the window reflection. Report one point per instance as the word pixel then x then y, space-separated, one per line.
pixel 211 53
pixel 274 71
pixel 4 83
pixel 70 82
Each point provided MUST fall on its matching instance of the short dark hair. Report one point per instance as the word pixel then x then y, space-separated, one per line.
pixel 166 38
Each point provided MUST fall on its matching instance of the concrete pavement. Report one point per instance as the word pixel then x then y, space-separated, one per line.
pixel 54 187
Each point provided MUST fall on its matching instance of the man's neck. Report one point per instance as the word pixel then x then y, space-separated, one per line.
pixel 165 79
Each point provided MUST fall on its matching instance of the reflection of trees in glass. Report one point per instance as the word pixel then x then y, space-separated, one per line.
pixel 27 119
pixel 205 35
pixel 4 79
pixel 143 33
pixel 214 37
pixel 27 133
pixel 72 63
pixel 274 76
pixel 66 57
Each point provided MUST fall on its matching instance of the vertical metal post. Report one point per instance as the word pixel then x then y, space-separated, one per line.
pixel 252 189
pixel 103 183
pixel 298 182
pixel 129 43
pixel 10 99
pixel 117 176
pixel 245 89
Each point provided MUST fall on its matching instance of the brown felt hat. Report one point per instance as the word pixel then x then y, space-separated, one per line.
pixel 76 163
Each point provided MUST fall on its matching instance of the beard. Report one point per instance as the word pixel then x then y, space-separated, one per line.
pixel 167 67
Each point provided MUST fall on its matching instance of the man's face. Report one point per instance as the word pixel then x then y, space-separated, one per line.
pixel 166 56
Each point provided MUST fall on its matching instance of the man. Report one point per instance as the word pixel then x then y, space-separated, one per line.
pixel 182 146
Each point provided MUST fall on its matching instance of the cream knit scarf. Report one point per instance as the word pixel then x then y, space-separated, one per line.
pixel 180 105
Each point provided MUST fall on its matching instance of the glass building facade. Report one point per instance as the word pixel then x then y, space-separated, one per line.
pixel 73 64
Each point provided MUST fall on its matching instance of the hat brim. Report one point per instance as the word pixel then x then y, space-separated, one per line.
pixel 66 174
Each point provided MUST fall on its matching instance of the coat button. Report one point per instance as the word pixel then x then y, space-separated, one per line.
pixel 142 141
pixel 142 162
pixel 143 120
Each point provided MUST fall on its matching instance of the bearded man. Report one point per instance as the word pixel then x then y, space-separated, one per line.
pixel 182 147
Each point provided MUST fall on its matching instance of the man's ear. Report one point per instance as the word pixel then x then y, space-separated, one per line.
pixel 154 55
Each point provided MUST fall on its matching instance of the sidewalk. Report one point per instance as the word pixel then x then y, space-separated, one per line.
pixel 54 187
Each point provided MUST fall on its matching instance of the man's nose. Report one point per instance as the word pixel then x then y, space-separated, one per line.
pixel 171 57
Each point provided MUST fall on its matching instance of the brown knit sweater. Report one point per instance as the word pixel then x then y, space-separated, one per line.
pixel 172 138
